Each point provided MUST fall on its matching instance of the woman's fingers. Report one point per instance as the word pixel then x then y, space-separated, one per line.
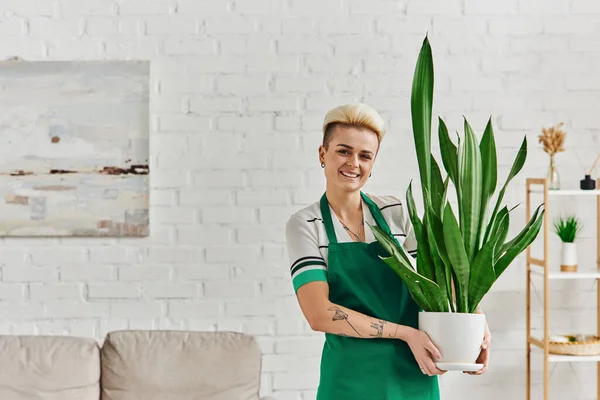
pixel 435 353
pixel 487 338
pixel 486 342
pixel 424 363
pixel 428 354
pixel 432 369
pixel 481 371
pixel 422 367
pixel 484 358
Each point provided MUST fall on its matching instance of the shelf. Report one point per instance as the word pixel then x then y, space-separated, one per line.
pixel 574 192
pixel 536 268
pixel 558 358
pixel 553 274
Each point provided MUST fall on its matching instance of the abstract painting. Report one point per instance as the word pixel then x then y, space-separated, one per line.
pixel 74 148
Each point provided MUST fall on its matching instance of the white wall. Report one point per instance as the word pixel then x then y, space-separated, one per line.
pixel 239 89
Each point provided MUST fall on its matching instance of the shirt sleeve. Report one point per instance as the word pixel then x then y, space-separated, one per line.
pixel 306 263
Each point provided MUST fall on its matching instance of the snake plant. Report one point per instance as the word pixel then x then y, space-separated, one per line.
pixel 458 258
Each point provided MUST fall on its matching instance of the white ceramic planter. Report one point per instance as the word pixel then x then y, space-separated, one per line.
pixel 458 336
pixel 568 257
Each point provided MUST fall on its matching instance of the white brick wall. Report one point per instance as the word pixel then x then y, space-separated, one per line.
pixel 239 88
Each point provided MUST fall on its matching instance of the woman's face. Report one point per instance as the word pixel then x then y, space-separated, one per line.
pixel 349 157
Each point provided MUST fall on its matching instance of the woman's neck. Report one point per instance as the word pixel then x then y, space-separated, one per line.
pixel 346 205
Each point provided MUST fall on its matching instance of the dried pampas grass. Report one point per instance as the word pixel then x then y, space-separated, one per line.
pixel 553 139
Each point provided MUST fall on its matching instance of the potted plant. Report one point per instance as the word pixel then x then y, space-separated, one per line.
pixel 458 258
pixel 567 228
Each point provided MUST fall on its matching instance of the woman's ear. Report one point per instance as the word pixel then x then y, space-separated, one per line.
pixel 321 153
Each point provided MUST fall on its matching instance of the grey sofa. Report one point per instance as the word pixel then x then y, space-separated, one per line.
pixel 131 365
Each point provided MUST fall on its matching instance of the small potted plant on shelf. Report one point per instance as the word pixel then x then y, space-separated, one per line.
pixel 567 228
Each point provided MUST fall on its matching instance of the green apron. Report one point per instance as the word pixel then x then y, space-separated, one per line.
pixel 371 368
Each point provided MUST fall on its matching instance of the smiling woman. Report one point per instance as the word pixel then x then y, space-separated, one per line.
pixel 344 289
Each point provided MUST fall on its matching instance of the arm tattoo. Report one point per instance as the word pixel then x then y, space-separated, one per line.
pixel 395 332
pixel 340 315
pixel 378 326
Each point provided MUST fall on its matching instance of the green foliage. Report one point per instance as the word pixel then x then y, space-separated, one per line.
pixel 464 252
pixel 567 228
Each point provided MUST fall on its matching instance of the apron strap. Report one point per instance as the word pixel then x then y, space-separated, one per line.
pixel 326 214
pixel 376 213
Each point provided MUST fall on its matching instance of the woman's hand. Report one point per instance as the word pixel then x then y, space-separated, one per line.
pixel 425 352
pixel 484 355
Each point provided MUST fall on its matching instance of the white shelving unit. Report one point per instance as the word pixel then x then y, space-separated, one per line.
pixel 540 269
pixel 552 275
pixel 552 193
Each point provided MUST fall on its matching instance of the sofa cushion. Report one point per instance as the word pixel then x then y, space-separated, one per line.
pixel 180 365
pixel 49 368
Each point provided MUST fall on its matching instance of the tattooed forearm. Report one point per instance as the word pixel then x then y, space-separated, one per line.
pixel 395 332
pixel 378 326
pixel 358 325
pixel 340 315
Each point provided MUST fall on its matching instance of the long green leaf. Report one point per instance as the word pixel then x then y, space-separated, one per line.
pixel 458 294
pixel 483 275
pixel 444 199
pixel 519 245
pixel 390 245
pixel 425 264
pixel 469 176
pixel 439 235
pixel 516 168
pixel 412 212
pixel 523 232
pixel 497 219
pixel 436 254
pixel 437 186
pixel 440 272
pixel 392 257
pixel 449 152
pixel 489 173
pixel 501 214
pixel 458 257
pixel 421 109
pixel 436 236
pixel 503 225
pixel 424 291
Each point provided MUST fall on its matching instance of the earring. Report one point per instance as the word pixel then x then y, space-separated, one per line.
pixel 370 173
pixel 322 165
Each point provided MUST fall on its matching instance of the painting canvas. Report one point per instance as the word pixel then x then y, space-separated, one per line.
pixel 74 148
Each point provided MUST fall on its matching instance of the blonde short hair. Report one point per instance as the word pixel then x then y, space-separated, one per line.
pixel 357 115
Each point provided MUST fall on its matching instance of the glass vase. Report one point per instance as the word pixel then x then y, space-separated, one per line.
pixel 553 176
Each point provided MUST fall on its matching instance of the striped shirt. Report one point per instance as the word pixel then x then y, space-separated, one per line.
pixel 307 240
